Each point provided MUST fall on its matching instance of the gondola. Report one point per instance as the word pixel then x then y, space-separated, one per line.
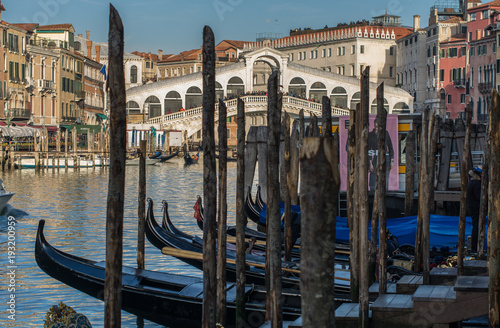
pixel 188 159
pixel 161 238
pixel 165 158
pixel 167 299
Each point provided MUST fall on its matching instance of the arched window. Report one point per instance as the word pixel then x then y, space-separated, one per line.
pixel 297 87
pixel 173 102
pixel 317 91
pixel 219 91
pixel 374 106
pixel 235 86
pixel 356 99
pixel 133 108
pixel 152 106
pixel 338 97
pixel 400 106
pixel 194 97
pixel 133 74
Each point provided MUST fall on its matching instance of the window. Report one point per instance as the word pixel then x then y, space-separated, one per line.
pixel 291 56
pixel 228 131
pixel 472 51
pixel 323 53
pixel 462 98
pixel 434 50
pixel 362 49
pixel 463 51
pixel 23 67
pixel 147 65
pixel 434 31
pixel 449 99
pixel 329 52
pixel 429 52
pixel 472 17
pixel 470 36
pixel 353 49
pixel 133 74
pixel 441 53
pixel 429 33
pixel 391 71
pixel 485 14
pixel 391 51
pixel 441 75
pixel 361 69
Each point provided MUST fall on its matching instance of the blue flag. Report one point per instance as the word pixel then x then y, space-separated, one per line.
pixel 103 71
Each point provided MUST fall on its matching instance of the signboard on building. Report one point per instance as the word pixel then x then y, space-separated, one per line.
pixel 391 153
pixel 175 138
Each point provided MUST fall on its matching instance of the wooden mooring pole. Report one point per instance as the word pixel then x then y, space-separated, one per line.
pixel 326 126
pixel 240 219
pixel 464 179
pixel 410 173
pixel 494 218
pixel 141 210
pixel 363 199
pixel 483 206
pixel 293 179
pixel 273 202
pixel 352 199
pixel 286 193
pixel 222 226
pixel 319 186
pixel 209 182
pixel 381 189
pixel 116 187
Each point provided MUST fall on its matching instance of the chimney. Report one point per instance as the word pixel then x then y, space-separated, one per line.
pixel 89 49
pixel 98 53
pixel 88 35
pixel 160 55
pixel 2 8
pixel 416 23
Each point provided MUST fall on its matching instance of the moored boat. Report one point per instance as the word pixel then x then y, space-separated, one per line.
pixel 167 299
pixel 5 196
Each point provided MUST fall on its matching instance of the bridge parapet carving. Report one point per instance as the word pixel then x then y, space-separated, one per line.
pixel 191 119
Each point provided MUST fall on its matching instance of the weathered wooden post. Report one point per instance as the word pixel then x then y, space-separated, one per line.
pixel 286 194
pixel 494 218
pixel 250 159
pixel 240 218
pixel 116 188
pixel 293 179
pixel 262 155
pixel 326 126
pixel 273 202
pixel 427 196
pixel 352 220
pixel 381 189
pixel 410 173
pixel 363 199
pixel 433 144
pixel 319 187
pixel 464 179
pixel 66 148
pixel 483 206
pixel 209 182
pixel 74 138
pixel 302 126
pixel 141 210
pixel 446 141
pixel 421 190
pixel 222 227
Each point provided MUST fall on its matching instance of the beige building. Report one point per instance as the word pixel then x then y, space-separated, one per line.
pixel 344 50
pixel 149 65
pixel 16 103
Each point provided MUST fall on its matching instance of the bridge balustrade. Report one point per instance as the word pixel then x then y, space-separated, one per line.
pixel 231 105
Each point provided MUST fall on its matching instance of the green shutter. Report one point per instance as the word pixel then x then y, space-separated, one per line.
pixel 11 70
pixel 22 71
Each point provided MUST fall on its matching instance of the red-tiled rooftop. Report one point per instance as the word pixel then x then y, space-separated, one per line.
pixel 183 56
pixel 27 26
pixel 451 20
pixel 55 27
pixel 456 38
pixel 495 3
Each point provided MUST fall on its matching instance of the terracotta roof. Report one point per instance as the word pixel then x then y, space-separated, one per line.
pixel 474 1
pixel 183 56
pixel 451 20
pixel 28 27
pixel 456 38
pixel 237 44
pixel 55 27
pixel 495 3
pixel 146 55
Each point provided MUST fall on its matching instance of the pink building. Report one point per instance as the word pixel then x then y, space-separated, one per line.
pixel 452 74
pixel 482 56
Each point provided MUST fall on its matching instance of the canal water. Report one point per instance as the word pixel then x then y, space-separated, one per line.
pixel 73 204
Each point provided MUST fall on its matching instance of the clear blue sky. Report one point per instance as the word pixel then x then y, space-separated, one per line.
pixel 177 25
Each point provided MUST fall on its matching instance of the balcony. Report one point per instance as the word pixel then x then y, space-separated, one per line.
pixel 460 83
pixel 482 118
pixel 20 114
pixel 45 85
pixel 80 95
pixel 485 87
pixel 68 119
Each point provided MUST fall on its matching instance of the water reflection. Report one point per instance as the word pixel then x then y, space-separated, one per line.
pixel 73 203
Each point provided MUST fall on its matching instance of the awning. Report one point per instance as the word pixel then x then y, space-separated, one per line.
pixel 104 117
pixel 18 131
pixel 82 128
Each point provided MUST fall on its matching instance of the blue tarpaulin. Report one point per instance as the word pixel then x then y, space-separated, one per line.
pixel 443 229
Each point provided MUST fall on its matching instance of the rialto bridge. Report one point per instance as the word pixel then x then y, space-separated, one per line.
pixel 175 104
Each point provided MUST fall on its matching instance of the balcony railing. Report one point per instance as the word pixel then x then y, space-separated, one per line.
pixel 460 83
pixel 482 118
pixel 45 84
pixel 20 113
pixel 80 95
pixel 485 87
pixel 70 119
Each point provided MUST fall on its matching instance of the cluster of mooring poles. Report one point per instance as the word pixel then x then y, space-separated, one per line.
pixel 43 158
pixel 315 152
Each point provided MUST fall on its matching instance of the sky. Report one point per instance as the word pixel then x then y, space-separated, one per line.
pixel 177 25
